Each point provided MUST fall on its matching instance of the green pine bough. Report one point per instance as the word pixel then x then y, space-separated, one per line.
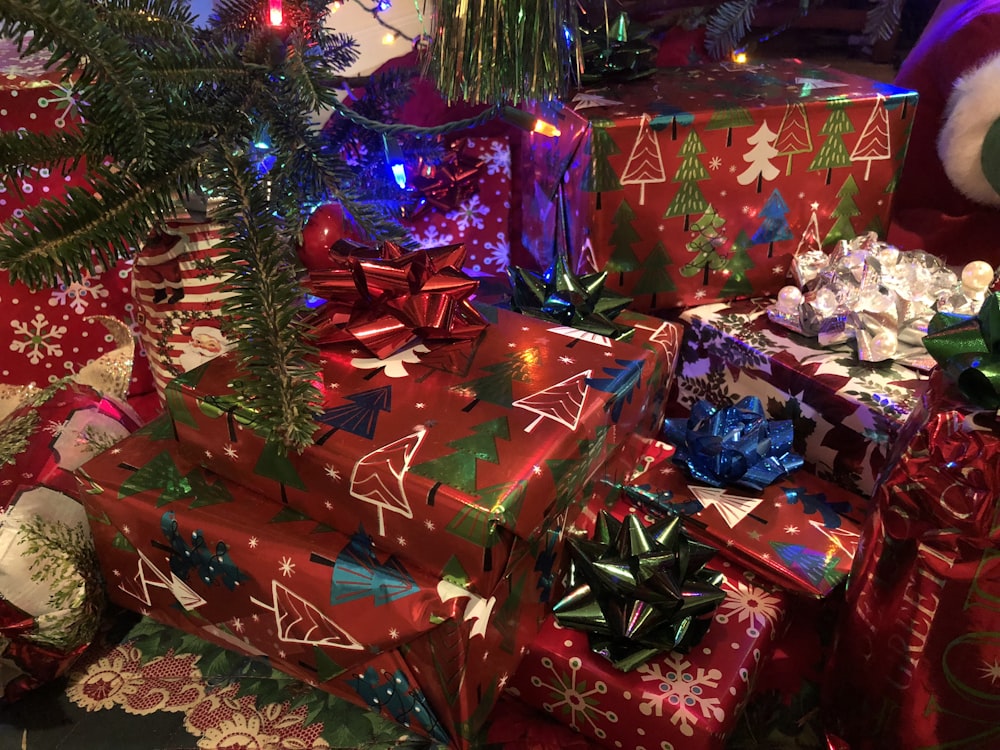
pixel 729 24
pixel 169 111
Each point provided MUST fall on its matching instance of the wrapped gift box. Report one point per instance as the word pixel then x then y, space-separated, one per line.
pixel 675 700
pixel 698 184
pixel 918 645
pixel 846 413
pixel 50 593
pixel 800 533
pixel 49 333
pixel 463 454
pixel 340 611
pixel 467 200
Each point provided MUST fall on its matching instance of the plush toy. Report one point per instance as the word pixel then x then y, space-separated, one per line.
pixel 948 198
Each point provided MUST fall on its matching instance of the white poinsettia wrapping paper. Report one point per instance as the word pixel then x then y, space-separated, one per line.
pixel 846 413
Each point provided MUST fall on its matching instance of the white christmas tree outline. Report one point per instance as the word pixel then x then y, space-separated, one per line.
pixel 817 83
pixel 284 627
pixel 587 254
pixel 759 157
pixel 584 100
pixel 732 508
pixel 382 456
pixel 546 409
pixel 572 698
pixel 836 535
pixel 187 597
pixel 576 333
pixel 668 338
pixel 868 147
pixel 647 159
pixel 477 608
pixel 689 689
pixel 394 364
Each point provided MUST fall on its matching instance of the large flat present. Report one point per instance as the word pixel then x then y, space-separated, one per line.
pixel 846 413
pixel 698 184
pixel 674 700
pixel 464 453
pixel 340 611
pixel 918 643
pixel 800 533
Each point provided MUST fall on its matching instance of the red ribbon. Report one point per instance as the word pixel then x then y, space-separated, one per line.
pixel 384 298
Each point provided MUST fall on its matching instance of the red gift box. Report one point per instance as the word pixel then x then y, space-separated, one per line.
pixel 918 644
pixel 49 333
pixel 463 455
pixel 697 184
pixel 800 533
pixel 469 205
pixel 338 611
pixel 50 594
pixel 675 700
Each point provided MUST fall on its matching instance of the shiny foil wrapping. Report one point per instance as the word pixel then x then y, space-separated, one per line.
pixel 918 645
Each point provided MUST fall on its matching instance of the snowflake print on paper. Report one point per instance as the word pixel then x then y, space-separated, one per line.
pixel 572 697
pixel 497 159
pixel 749 604
pixel 686 694
pixel 499 257
pixel 65 102
pixel 714 163
pixel 469 213
pixel 432 238
pixel 39 339
pixel 77 294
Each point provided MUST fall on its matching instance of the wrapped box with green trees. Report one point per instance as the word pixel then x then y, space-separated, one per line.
pixel 697 185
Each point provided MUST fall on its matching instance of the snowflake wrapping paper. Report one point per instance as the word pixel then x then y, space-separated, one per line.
pixel 675 701
pixel 46 333
pixel 846 413
pixel 698 184
pixel 481 219
pixel 339 611
pixel 800 533
pixel 50 593
pixel 463 455
pixel 919 641
pixel 178 298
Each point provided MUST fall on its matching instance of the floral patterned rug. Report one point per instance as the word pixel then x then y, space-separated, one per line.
pixel 144 686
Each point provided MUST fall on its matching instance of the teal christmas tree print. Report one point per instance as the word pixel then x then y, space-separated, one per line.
pixel 774 227
pixel 622 380
pixel 817 568
pixel 357 573
pixel 393 694
pixel 207 564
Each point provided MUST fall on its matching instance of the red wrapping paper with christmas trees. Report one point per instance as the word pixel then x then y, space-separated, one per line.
pixel 698 184
pixel 918 643
pixel 471 452
pixel 674 700
pixel 337 610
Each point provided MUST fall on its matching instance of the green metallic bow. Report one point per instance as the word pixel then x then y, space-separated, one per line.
pixel 560 296
pixel 639 591
pixel 967 347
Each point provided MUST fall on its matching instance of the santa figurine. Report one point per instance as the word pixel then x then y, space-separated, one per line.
pixel 948 197
pixel 207 342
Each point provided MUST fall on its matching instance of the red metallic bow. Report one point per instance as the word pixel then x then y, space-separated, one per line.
pixel 384 298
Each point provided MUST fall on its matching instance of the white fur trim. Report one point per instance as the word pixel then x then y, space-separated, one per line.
pixel 974 105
